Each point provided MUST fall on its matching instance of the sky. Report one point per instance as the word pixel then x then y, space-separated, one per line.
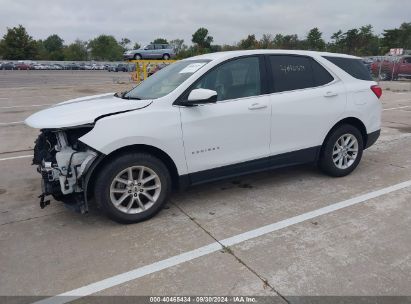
pixel 228 21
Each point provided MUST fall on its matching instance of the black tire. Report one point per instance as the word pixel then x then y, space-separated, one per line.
pixel 166 57
pixel 114 167
pixel 326 162
pixel 137 57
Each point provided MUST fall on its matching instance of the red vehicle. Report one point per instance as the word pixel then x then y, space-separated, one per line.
pixel 22 66
pixel 392 68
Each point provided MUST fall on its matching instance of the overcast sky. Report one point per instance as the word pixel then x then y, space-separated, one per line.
pixel 228 21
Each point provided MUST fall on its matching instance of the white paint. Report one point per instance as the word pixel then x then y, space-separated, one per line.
pixel 11 123
pixel 403 107
pixel 16 157
pixel 27 106
pixel 213 247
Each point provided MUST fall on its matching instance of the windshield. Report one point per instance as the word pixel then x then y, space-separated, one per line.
pixel 166 80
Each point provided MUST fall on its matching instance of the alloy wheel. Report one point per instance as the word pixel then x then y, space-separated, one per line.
pixel 135 189
pixel 345 151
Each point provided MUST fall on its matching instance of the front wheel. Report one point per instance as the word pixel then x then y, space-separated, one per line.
pixel 137 57
pixel 166 57
pixel 342 151
pixel 133 187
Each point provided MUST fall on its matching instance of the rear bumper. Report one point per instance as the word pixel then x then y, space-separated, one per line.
pixel 372 138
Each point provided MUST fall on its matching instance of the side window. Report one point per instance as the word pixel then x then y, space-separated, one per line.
pixel 150 47
pixel 407 60
pixel 321 75
pixel 291 72
pixel 234 79
pixel 352 66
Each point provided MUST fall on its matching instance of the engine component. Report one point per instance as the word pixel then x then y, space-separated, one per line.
pixel 62 161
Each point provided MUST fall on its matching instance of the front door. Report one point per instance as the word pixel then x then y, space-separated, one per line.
pixel 236 128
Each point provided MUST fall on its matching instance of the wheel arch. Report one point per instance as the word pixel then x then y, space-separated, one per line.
pixel 349 121
pixel 96 167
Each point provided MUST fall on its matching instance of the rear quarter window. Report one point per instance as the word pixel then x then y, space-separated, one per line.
pixel 354 67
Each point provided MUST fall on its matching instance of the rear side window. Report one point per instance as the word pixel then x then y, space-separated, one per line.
pixel 354 67
pixel 292 72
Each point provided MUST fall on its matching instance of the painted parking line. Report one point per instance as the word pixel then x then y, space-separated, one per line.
pixel 403 107
pixel 214 247
pixel 16 157
pixel 11 123
pixel 27 106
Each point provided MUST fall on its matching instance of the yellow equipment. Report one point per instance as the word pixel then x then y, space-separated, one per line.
pixel 143 64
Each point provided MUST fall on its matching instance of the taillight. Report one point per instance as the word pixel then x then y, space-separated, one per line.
pixel 377 90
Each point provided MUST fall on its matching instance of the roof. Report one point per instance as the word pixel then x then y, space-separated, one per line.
pixel 231 54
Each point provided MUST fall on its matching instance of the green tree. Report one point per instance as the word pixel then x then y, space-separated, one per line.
pixel 289 42
pixel 201 38
pixel 136 46
pixel 314 40
pixel 160 41
pixel 267 41
pixel 178 45
pixel 397 38
pixel 105 47
pixel 54 47
pixel 76 51
pixel 18 44
pixel 248 43
pixel 124 42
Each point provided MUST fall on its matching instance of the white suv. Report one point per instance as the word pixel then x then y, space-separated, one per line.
pixel 203 119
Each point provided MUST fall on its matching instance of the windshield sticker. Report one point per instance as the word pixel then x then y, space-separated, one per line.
pixel 191 68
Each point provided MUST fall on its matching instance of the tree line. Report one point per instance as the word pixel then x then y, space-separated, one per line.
pixel 18 44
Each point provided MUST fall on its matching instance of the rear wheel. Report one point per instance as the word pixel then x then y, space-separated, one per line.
pixel 342 151
pixel 166 56
pixel 133 187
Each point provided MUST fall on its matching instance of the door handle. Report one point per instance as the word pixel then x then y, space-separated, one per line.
pixel 256 106
pixel 330 94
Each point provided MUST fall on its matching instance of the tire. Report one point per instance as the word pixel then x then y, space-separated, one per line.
pixel 332 159
pixel 106 188
pixel 166 57
pixel 137 57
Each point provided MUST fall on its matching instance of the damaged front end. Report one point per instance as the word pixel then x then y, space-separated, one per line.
pixel 63 162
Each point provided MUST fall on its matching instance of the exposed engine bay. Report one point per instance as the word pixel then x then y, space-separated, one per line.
pixel 62 161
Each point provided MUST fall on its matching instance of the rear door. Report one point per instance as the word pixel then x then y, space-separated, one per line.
pixel 306 102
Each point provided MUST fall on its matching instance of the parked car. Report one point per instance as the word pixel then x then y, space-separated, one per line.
pixel 8 66
pixel 392 68
pixel 21 66
pixel 121 67
pixel 151 51
pixel 58 66
pixel 72 66
pixel 203 119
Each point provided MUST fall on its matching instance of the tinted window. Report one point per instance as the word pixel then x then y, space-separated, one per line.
pixel 291 72
pixel 233 79
pixel 354 67
pixel 150 47
pixel 321 75
pixel 407 60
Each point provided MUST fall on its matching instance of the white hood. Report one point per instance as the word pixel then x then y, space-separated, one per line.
pixel 80 111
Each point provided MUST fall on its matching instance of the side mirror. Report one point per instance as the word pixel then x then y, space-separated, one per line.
pixel 202 96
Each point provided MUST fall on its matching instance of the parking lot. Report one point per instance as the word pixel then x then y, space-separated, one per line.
pixel 284 233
